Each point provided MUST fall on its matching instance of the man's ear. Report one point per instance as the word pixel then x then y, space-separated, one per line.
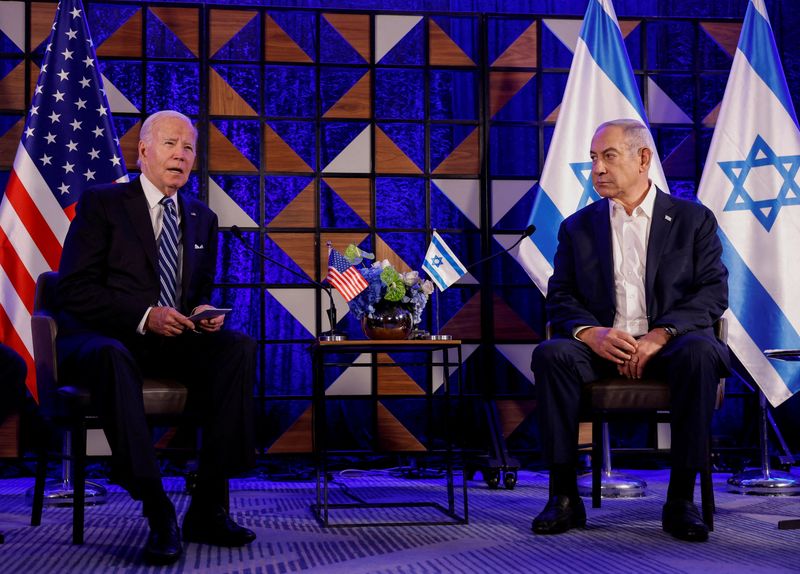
pixel 645 158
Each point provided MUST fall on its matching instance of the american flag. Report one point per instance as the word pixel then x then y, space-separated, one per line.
pixel 68 144
pixel 344 277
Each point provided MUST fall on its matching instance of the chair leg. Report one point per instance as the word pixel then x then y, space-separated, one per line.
pixel 597 461
pixel 78 482
pixel 39 485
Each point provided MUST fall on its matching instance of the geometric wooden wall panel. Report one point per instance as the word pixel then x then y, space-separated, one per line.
pixel 300 211
pixel 299 247
pixel 443 50
pixel 42 16
pixel 513 413
pixel 281 47
pixel 223 99
pixel 394 380
pixel 389 158
pixel 183 22
pixel 126 41
pixel 129 145
pixel 297 438
pixel 224 156
pixel 9 142
pixel 225 24
pixel 509 325
pixel 725 34
pixel 628 26
pixel 355 191
pixel 355 29
pixel 393 435
pixel 465 159
pixel 280 155
pixel 466 323
pixel 12 88
pixel 503 86
pixel 521 53
pixel 384 251
pixel 355 103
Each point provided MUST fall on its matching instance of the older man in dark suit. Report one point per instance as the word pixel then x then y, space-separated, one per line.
pixel 637 284
pixel 139 258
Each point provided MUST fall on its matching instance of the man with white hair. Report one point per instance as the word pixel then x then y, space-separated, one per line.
pixel 638 282
pixel 138 260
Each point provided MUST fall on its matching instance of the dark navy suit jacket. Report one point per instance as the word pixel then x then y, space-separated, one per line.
pixel 108 275
pixel 686 284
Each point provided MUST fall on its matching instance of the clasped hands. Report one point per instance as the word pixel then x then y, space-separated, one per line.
pixel 170 322
pixel 629 354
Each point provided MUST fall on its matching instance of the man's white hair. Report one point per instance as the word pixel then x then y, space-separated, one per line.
pixel 146 133
pixel 636 134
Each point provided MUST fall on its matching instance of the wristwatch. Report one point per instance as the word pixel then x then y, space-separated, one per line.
pixel 671 331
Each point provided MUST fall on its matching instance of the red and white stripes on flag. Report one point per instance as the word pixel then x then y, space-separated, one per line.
pixel 345 278
pixel 68 144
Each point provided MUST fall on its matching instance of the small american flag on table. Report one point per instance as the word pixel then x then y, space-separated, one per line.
pixel 343 276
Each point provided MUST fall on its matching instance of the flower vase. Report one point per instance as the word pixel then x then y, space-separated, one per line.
pixel 388 321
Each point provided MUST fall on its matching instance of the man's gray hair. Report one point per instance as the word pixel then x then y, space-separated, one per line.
pixel 636 134
pixel 146 133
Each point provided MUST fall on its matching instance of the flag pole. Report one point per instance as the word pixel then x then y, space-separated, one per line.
pixel 331 334
pixel 439 336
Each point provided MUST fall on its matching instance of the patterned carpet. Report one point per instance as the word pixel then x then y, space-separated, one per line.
pixel 623 536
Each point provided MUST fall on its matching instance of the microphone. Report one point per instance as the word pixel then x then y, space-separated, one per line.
pixel 331 335
pixel 527 233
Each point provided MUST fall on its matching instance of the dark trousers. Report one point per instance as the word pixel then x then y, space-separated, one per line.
pixel 692 364
pixel 219 371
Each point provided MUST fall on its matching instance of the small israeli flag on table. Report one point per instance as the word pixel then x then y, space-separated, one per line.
pixel 441 264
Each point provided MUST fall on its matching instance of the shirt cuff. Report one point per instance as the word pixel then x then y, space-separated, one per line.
pixel 577 330
pixel 143 322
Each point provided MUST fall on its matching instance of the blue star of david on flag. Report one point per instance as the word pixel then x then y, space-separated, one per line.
pixel 761 155
pixel 583 171
pixel 441 264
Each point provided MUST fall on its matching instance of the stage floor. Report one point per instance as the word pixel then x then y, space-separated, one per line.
pixel 622 536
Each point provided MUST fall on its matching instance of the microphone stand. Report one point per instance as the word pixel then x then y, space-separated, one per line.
pixel 330 335
pixel 527 233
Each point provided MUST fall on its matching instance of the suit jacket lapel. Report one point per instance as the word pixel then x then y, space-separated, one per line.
pixel 660 228
pixel 602 236
pixel 138 211
pixel 188 236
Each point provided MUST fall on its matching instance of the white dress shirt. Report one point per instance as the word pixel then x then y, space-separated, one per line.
pixel 156 211
pixel 629 237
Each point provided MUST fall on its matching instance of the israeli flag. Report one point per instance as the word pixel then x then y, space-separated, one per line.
pixel 751 183
pixel 441 264
pixel 600 87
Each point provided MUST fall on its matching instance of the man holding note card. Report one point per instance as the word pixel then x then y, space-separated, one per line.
pixel 135 288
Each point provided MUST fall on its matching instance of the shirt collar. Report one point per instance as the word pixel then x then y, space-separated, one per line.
pixel 645 208
pixel 152 193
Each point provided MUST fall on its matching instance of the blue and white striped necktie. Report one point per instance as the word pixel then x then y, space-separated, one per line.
pixel 168 253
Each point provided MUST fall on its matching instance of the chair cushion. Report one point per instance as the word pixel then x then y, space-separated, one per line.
pixel 621 394
pixel 161 397
pixel 164 397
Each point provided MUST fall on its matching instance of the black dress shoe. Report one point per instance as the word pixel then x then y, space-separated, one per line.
pixel 682 519
pixel 559 515
pixel 164 541
pixel 214 526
